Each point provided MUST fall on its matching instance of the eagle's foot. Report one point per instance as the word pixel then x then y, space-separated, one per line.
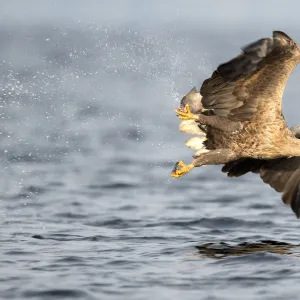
pixel 186 114
pixel 178 172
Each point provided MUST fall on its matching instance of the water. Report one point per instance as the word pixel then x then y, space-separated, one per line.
pixel 88 141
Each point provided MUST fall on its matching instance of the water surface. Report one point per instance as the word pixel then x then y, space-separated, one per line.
pixel 88 141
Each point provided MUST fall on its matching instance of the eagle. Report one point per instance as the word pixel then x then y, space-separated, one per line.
pixel 238 122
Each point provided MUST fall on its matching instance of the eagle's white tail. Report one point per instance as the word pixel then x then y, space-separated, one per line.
pixel 197 142
pixel 190 127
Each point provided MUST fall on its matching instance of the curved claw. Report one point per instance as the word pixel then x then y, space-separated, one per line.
pixel 178 172
pixel 187 114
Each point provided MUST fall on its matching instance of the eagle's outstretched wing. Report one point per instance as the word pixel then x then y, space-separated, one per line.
pixel 282 174
pixel 262 69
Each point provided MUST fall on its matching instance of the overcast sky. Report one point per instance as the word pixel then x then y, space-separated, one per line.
pixel 219 13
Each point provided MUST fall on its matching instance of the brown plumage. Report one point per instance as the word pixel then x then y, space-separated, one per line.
pixel 247 131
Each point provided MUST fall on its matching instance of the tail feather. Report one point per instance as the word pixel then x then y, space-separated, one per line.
pixel 196 142
pixel 190 127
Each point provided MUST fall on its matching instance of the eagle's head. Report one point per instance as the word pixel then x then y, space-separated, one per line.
pixel 193 99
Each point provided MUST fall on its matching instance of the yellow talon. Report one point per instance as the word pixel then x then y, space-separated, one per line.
pixel 188 110
pixel 183 169
pixel 187 114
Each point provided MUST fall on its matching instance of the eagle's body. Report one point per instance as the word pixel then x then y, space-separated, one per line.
pixel 262 140
pixel 264 133
pixel 246 130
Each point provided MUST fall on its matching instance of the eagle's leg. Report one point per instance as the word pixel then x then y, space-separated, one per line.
pixel 220 123
pixel 213 157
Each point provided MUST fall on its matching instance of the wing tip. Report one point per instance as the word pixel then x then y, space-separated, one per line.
pixel 297 212
pixel 281 35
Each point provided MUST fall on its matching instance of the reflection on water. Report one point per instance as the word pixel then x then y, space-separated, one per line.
pixel 223 250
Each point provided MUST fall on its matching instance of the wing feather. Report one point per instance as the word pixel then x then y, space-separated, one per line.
pixel 282 174
pixel 233 89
